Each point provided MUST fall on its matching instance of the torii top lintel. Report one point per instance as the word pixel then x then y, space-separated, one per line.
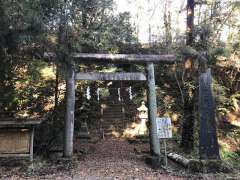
pixel 119 58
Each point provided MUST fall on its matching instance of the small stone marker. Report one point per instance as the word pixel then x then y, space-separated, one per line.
pixel 84 132
pixel 164 128
pixel 209 148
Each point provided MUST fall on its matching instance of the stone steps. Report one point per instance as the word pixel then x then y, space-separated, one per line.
pixel 112 116
pixel 113 119
pixel 112 113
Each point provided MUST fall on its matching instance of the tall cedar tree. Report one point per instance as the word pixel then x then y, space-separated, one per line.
pixel 188 121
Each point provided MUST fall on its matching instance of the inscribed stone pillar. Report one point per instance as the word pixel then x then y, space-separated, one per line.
pixel 208 145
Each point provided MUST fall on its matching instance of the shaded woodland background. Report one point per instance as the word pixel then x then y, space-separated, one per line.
pixel 32 86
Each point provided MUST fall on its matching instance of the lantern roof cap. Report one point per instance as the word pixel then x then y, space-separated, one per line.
pixel 142 107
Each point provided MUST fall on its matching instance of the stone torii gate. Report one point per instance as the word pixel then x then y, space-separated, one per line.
pixel 147 60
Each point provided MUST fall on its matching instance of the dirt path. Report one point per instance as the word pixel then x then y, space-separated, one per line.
pixel 116 159
pixel 109 159
pixel 106 159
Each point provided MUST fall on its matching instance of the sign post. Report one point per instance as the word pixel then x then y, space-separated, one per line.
pixel 164 131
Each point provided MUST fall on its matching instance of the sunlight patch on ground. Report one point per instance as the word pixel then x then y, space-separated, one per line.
pixel 48 106
pixel 113 69
pixel 235 123
pixel 48 73
pixel 233 60
pixel 173 115
pixel 134 129
pixel 234 118
pixel 224 144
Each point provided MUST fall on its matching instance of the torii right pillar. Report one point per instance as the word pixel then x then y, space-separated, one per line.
pixel 152 110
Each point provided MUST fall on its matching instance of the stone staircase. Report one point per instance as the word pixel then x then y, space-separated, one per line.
pixel 115 117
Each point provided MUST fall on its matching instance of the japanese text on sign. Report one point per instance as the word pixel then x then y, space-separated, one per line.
pixel 164 128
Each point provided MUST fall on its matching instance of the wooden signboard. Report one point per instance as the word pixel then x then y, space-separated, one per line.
pixel 164 131
pixel 16 137
pixel 14 141
pixel 164 128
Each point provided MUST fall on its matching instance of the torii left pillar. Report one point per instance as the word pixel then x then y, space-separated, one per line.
pixel 70 107
pixel 152 110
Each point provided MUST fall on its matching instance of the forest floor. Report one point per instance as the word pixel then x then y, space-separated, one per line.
pixel 104 159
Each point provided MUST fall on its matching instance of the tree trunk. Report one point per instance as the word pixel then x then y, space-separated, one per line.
pixel 187 142
pixel 69 117
pixel 190 22
pixel 188 119
pixel 167 25
pixel 56 88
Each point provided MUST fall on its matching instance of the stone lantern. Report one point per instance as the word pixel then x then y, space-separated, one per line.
pixel 143 116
